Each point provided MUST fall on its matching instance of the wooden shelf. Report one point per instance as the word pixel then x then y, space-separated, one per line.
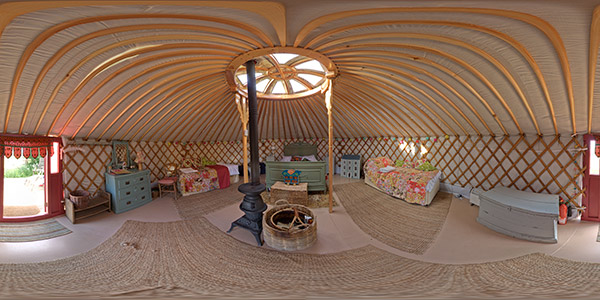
pixel 98 204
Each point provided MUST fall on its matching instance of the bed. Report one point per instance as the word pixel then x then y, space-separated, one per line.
pixel 406 183
pixel 311 172
pixel 193 180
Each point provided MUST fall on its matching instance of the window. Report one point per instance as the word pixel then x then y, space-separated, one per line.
pixel 54 160
pixel 284 76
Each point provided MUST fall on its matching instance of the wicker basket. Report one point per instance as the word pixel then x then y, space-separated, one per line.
pixel 80 198
pixel 296 238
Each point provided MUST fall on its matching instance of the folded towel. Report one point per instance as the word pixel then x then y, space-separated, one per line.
pixel 387 169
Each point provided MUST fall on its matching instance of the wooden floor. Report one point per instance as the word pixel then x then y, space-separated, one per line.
pixel 461 240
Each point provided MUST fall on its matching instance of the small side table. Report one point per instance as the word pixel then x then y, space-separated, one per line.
pixel 294 194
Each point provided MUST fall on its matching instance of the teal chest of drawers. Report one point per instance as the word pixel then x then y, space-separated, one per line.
pixel 128 191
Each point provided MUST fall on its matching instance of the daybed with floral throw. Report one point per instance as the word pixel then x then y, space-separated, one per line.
pixel 407 183
pixel 196 176
pixel 193 181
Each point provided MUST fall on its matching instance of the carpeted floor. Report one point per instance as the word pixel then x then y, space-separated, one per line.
pixel 31 231
pixel 408 227
pixel 194 206
pixel 192 258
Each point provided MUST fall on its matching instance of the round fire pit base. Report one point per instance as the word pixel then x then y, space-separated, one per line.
pixel 289 227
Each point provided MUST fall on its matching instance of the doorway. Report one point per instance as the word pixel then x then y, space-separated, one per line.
pixel 591 179
pixel 31 186
pixel 24 186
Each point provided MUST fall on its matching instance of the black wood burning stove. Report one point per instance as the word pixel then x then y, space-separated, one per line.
pixel 252 205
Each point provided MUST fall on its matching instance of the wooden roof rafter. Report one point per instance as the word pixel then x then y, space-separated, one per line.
pixel 426 61
pixel 497 34
pixel 65 25
pixel 378 96
pixel 406 75
pixel 463 64
pixel 546 28
pixel 186 66
pixel 503 70
pixel 164 101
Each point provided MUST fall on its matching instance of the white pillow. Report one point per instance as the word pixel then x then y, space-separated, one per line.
pixel 286 158
pixel 310 158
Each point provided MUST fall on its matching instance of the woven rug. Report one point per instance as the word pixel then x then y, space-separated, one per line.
pixel 194 259
pixel 408 227
pixel 31 231
pixel 197 205
pixel 317 200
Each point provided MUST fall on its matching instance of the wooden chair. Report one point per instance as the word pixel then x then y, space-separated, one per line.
pixel 167 185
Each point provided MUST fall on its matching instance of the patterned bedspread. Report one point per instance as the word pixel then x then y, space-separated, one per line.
pixel 200 181
pixel 405 183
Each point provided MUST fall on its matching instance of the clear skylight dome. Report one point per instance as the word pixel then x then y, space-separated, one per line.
pixel 284 76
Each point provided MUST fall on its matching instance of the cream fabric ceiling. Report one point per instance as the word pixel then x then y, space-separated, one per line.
pixel 123 70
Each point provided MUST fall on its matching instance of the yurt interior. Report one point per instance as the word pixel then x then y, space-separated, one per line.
pixel 312 149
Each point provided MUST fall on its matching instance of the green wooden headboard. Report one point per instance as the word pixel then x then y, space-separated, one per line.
pixel 300 149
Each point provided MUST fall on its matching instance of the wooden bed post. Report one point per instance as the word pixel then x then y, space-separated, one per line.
pixel 242 105
pixel 328 104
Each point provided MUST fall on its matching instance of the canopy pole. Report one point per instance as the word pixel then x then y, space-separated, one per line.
pixel 242 105
pixel 328 104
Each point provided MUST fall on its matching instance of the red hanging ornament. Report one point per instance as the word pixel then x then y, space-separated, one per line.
pixel 8 151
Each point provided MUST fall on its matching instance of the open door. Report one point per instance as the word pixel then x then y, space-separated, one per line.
pixel 591 179
pixel 20 190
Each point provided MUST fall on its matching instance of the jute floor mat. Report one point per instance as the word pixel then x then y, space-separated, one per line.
pixel 408 227
pixel 197 205
pixel 192 258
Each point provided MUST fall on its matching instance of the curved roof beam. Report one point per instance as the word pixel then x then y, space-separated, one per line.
pixel 181 88
pixel 185 65
pixel 424 60
pixel 65 25
pixel 320 121
pixel 210 123
pixel 388 106
pixel 384 109
pixel 169 85
pixel 180 101
pixel 453 58
pixel 362 71
pixel 192 114
pixel 153 87
pixel 500 35
pixel 381 79
pixel 230 114
pixel 82 39
pixel 105 82
pixel 192 99
pixel 349 107
pixel 435 78
pixel 535 21
pixel 107 64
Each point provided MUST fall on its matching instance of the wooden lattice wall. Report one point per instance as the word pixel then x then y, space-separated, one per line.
pixel 548 164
